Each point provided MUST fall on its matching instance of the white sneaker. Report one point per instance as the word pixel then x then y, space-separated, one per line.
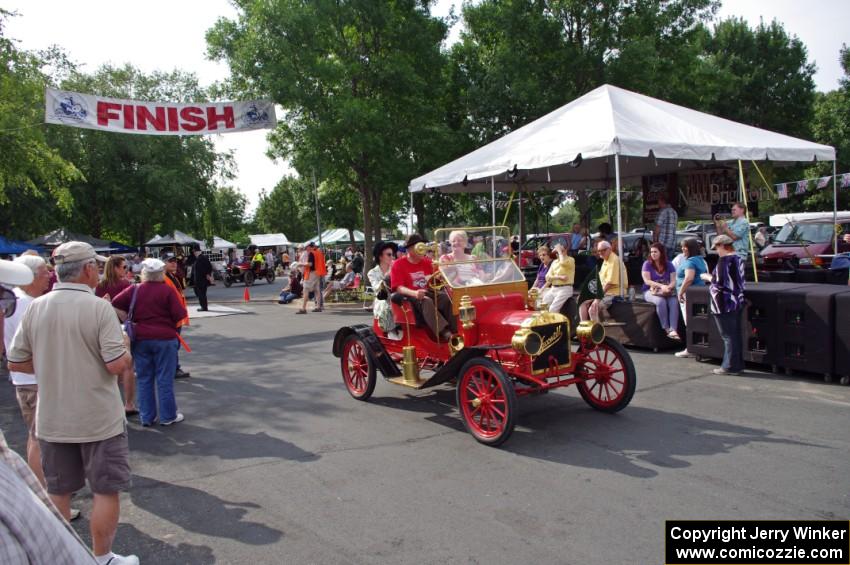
pixel 122 560
pixel 179 418
pixel 685 354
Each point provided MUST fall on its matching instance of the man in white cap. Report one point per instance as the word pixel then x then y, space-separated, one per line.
pixel 72 340
pixel 40 533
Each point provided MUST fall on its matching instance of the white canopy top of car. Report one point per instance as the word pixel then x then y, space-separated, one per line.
pixel 570 147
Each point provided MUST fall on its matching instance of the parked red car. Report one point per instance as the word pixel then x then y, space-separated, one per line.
pixel 803 245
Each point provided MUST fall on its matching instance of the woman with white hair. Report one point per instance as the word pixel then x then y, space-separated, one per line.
pixel 464 273
pixel 154 311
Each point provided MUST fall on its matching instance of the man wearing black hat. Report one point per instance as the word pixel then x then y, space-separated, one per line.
pixel 201 276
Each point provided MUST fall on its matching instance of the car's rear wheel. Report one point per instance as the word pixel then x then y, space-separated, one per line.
pixel 249 278
pixel 610 376
pixel 270 275
pixel 358 373
pixel 487 401
pixel 228 280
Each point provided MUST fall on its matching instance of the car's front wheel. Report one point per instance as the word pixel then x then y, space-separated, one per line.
pixel 487 401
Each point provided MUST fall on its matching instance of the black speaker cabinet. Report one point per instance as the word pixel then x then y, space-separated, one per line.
pixel 841 343
pixel 837 276
pixel 702 339
pixel 806 334
pixel 813 276
pixel 760 322
pixel 637 325
pixel 783 276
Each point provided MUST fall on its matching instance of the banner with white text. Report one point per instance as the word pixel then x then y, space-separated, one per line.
pixel 155 118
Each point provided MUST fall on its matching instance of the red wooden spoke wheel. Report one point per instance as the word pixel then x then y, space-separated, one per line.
pixel 487 401
pixel 358 372
pixel 610 374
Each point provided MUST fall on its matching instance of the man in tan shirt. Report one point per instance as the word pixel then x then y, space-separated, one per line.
pixel 72 340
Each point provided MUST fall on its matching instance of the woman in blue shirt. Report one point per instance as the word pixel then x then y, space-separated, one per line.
pixel 688 274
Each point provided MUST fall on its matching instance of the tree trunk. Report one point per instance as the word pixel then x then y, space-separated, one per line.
pixel 366 201
pixel 419 209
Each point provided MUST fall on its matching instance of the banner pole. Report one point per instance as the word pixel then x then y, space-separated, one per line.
pixel 316 195
pixel 747 213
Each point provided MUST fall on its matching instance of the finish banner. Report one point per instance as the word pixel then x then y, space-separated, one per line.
pixel 155 118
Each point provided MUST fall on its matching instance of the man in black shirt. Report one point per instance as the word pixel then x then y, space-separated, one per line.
pixel 201 276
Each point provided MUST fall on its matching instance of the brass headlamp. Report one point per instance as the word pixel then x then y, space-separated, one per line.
pixel 591 330
pixel 466 312
pixel 422 248
pixel 527 341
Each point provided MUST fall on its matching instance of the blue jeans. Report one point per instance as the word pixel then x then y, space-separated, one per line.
pixel 729 325
pixel 156 363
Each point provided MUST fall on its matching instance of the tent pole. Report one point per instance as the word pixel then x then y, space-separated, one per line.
pixel 410 216
pixel 493 209
pixel 834 205
pixel 619 223
pixel 747 212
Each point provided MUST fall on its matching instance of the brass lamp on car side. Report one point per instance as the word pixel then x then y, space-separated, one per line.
pixel 533 297
pixel 593 331
pixel 466 312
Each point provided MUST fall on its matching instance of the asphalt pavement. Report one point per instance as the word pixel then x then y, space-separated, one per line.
pixel 276 463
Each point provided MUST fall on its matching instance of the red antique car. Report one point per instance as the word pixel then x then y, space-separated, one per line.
pixel 246 271
pixel 502 349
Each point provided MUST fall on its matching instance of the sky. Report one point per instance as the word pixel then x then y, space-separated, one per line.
pixel 169 34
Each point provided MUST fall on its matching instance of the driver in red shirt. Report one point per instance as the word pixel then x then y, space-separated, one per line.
pixel 409 276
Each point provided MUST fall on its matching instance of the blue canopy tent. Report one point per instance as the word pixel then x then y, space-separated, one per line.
pixel 12 247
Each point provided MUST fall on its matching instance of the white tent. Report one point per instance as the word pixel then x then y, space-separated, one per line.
pixel 612 133
pixel 220 243
pixel 177 238
pixel 269 239
pixel 571 146
pixel 337 236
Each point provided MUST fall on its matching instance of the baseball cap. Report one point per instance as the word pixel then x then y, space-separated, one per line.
pixel 75 251
pixel 721 240
pixel 15 273
pixel 169 257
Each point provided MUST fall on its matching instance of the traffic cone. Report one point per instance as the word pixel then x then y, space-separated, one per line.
pixel 246 296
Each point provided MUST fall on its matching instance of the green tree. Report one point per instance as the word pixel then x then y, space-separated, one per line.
pixel 225 216
pixel 360 83
pixel 287 209
pixel 35 179
pixel 759 77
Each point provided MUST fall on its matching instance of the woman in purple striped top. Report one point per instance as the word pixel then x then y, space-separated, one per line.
pixel 727 304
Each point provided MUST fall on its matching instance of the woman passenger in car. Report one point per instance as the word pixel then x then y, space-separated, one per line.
pixel 559 279
pixel 464 273
pixel 545 256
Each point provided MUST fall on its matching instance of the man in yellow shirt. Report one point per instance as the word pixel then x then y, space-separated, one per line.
pixel 609 276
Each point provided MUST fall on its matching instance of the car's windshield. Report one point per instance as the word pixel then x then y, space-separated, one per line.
pixel 805 233
pixel 476 256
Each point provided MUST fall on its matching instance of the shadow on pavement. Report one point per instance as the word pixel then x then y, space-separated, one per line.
pixel 634 442
pixel 197 511
pixel 195 441
pixel 131 540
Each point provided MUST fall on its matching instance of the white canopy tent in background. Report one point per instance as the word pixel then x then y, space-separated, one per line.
pixel 337 236
pixel 613 134
pixel 177 238
pixel 220 243
pixel 269 240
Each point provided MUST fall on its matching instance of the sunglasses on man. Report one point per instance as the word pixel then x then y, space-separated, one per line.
pixel 8 302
